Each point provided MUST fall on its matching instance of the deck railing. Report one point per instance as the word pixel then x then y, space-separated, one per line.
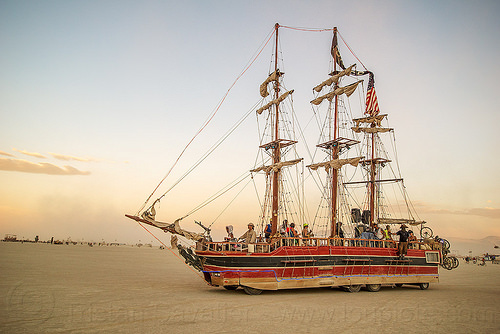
pixel 265 247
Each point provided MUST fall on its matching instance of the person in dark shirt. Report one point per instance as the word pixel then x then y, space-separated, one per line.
pixel 403 241
pixel 267 231
pixel 340 232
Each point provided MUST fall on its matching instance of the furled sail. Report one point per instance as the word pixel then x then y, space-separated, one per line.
pixel 348 90
pixel 371 119
pixel 370 130
pixel 274 102
pixel 277 166
pixel 273 77
pixel 400 221
pixel 148 217
pixel 336 163
pixel 335 78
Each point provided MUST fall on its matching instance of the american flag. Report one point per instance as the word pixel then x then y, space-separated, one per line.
pixel 371 98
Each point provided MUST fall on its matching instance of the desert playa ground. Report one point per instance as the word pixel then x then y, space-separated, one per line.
pixel 123 289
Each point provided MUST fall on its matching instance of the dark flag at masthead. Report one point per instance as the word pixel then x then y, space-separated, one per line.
pixel 335 50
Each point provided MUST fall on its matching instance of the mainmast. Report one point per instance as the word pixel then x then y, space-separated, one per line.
pixel 276 150
pixel 334 154
pixel 335 144
pixel 372 179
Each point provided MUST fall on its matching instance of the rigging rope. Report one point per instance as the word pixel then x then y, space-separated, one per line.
pixel 307 29
pixel 207 121
pixel 217 195
pixel 352 52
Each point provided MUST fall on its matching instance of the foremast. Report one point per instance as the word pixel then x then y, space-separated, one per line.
pixel 277 144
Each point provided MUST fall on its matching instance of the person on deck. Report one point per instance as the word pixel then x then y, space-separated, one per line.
pixel 379 233
pixel 284 228
pixel 403 241
pixel 230 235
pixel 340 232
pixel 387 233
pixel 250 236
pixel 292 233
pixel 305 231
pixel 267 231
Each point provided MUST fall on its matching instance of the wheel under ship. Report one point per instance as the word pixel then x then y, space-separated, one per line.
pixel 352 148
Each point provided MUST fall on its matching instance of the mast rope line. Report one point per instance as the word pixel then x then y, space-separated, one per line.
pixel 234 198
pixel 307 29
pixel 352 51
pixel 208 120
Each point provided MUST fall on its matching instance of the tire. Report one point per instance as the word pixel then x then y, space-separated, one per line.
pixel 352 288
pixel 446 244
pixel 252 291
pixel 426 232
pixel 447 263
pixel 456 263
pixel 424 286
pixel 230 287
pixel 373 287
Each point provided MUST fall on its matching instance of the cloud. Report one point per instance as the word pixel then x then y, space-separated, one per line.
pixel 484 212
pixel 487 212
pixel 19 165
pixel 69 157
pixel 31 154
pixel 5 153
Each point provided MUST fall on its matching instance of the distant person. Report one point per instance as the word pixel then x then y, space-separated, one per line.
pixel 284 228
pixel 379 233
pixel 230 235
pixel 387 233
pixel 250 236
pixel 403 241
pixel 292 232
pixel 268 231
pixel 305 231
pixel 340 232
pixel 367 234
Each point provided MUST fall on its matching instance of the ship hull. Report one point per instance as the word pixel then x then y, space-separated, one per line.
pixel 291 267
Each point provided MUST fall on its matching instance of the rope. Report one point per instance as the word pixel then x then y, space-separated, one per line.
pixel 308 29
pixel 207 121
pixel 352 52
pixel 221 192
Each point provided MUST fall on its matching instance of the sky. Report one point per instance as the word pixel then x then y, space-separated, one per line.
pixel 98 99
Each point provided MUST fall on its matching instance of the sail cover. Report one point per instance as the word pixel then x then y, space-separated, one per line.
pixel 273 77
pixel 336 163
pixel 274 102
pixel 370 130
pixel 277 166
pixel 148 217
pixel 371 119
pixel 348 90
pixel 335 78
